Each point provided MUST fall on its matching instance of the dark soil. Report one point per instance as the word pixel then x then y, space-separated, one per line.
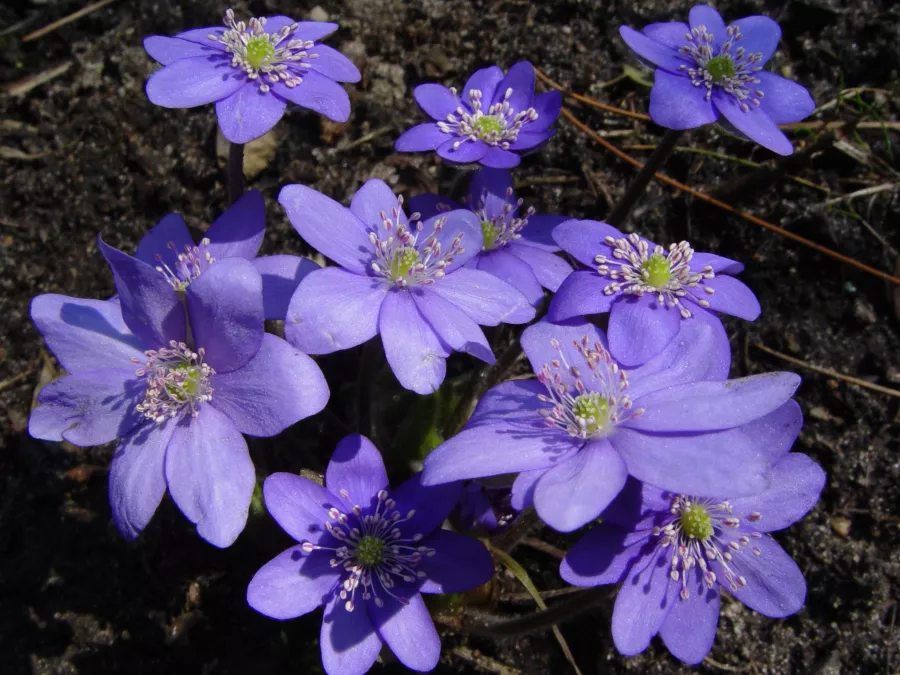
pixel 87 153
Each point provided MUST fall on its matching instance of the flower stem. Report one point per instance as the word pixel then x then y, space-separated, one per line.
pixel 368 370
pixel 235 171
pixel 665 147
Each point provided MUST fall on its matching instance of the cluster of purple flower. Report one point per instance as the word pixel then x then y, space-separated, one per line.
pixel 640 426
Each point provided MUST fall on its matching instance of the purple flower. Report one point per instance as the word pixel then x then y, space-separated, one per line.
pixel 237 233
pixel 486 508
pixel 251 71
pixel 707 69
pixel 367 555
pixel 671 552
pixel 402 279
pixel 178 378
pixel 517 248
pixel 649 292
pixel 576 433
pixel 496 117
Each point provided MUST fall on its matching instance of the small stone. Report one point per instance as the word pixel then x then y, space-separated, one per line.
pixel 864 312
pixel 317 14
pixel 841 526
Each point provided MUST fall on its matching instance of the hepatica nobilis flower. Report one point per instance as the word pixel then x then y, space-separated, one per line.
pixel 177 378
pixel 251 70
pixel 586 423
pixel 707 69
pixel 367 553
pixel 402 278
pixel 649 291
pixel 495 118
pixel 673 552
pixel 517 246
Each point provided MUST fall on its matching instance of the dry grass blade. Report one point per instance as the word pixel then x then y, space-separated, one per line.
pixel 23 86
pixel 861 193
pixel 591 101
pixel 49 28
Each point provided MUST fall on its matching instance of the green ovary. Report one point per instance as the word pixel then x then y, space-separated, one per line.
pixel 189 387
pixel 404 259
pixel 720 67
pixel 370 551
pixel 489 234
pixel 592 407
pixel 657 269
pixel 488 126
pixel 259 51
pixel 696 523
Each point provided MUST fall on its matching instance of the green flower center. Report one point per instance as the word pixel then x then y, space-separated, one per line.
pixel 720 67
pixel 488 126
pixel 657 270
pixel 188 387
pixel 593 409
pixel 404 259
pixel 696 522
pixel 370 551
pixel 489 234
pixel 259 50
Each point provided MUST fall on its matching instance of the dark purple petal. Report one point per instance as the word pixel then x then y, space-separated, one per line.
pixel 580 294
pixel 332 64
pixel 547 106
pixel 155 245
pixel 585 239
pixel 150 306
pixel 193 81
pixel 794 488
pixel 374 199
pixel 761 35
pixel 348 640
pixel 292 584
pixel 522 493
pixel 453 326
pixel 409 632
pixel 784 101
pixel 690 628
pixel 495 188
pixel 605 555
pixel 356 468
pixel 88 408
pixel 710 406
pixel 485 81
pixel 638 508
pixel 436 100
pixel 719 264
pixel 519 82
pixel 775 585
pixel 539 232
pixel 640 328
pixel 672 34
pixel 299 505
pixel 652 51
pixel 318 93
pixel 210 475
pixel 643 602
pixel 459 223
pixel 238 232
pixel 226 310
pixel 528 138
pixel 413 350
pixel 486 299
pixel 328 227
pixel 248 113
pixel 704 15
pixel 504 265
pixel 498 158
pixel 137 480
pixel 334 309
pixel 462 151
pixel 432 504
pixel 428 206
pixel 167 50
pixel 675 103
pixel 753 123
pixel 731 297
pixel 537 343
pixel 576 491
pixel 421 137
pixel 459 564
pixel 309 30
pixel 281 274
pixel 85 334
pixel 278 387
pixel 549 269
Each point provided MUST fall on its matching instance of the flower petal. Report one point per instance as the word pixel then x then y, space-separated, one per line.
pixel 761 35
pixel 85 334
pixel 605 555
pixel 784 101
pixel 356 468
pixel 716 262
pixel 278 387
pixel 193 81
pixel 238 232
pixel 299 505
pixel 334 309
pixel 753 123
pixel 432 504
pixel 519 83
pixel 775 585
pixel 318 93
pixel 529 138
pixel 522 493
pixel 640 328
pixel 731 297
pixel 292 584
pixel 709 406
pixel 167 50
pixel 162 244
pixel 436 100
pixel 413 350
pixel 210 475
pixel 579 295
pixel 498 158
pixel 642 604
pixel 675 103
pixel 507 267
pixel 672 34
pixel 460 223
pixel 309 30
pixel 421 137
pixel 462 151
pixel 776 432
pixel 493 187
pixel 248 113
pixel 428 206
pixel 328 227
pixel 459 564
pixel 453 326
pixel 704 15
pixel 150 307
pixel 547 106
pixel 201 36
pixel 348 640
pixel 544 342
pixel 585 239
pixel 137 479
pixel 650 50
pixel 281 274
pixel 576 491
pixel 549 269
pixel 485 81
pixel 226 311
pixel 690 628
pixel 488 300
pixel 374 198
pixel 409 632
pixel 334 65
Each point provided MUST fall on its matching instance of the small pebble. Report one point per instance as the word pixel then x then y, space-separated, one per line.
pixel 317 14
pixel 841 526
